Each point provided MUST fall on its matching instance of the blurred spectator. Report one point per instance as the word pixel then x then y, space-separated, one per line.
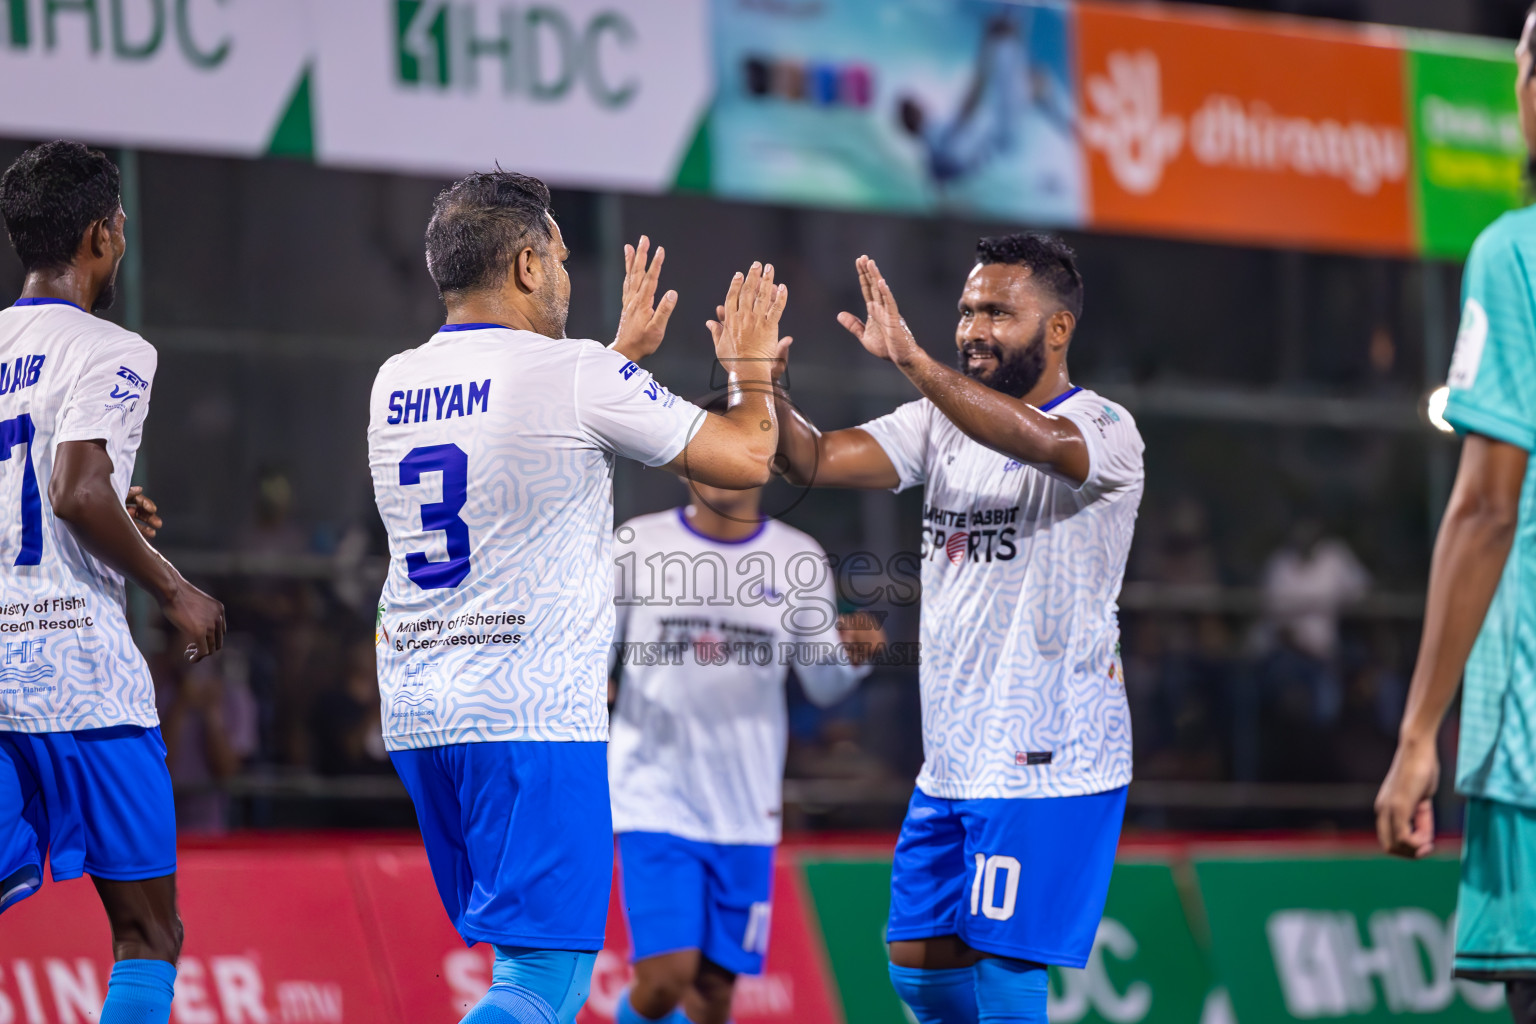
pixel 1307 583
pixel 208 720
pixel 272 530
pixel 348 732
pixel 1178 550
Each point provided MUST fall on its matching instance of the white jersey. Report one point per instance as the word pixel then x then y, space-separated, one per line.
pixel 69 661
pixel 707 632
pixel 492 455
pixel 1022 688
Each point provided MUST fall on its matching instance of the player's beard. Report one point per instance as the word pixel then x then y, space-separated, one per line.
pixel 1015 375
pixel 553 310
pixel 107 295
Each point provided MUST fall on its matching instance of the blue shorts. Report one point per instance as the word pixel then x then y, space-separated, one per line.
pixel 520 839
pixel 684 894
pixel 96 801
pixel 1024 879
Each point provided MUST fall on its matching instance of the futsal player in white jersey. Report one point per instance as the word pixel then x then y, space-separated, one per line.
pixel 1031 491
pixel 715 604
pixel 83 781
pixel 492 448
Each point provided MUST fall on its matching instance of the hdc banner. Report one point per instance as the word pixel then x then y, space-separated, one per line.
pixel 1358 939
pixel 602 93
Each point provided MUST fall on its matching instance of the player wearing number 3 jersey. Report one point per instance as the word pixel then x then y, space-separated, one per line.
pixel 492 449
pixel 83 781
pixel 1031 489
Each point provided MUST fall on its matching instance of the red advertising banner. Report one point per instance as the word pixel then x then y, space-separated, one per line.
pixel 436 978
pixel 1242 129
pixel 341 935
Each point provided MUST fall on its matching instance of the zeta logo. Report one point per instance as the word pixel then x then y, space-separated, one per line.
pixel 539 52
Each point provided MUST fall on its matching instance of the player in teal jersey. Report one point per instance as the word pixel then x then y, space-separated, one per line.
pixel 1481 612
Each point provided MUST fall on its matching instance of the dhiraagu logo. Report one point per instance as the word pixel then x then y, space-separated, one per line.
pixel 539 52
pixel 190 31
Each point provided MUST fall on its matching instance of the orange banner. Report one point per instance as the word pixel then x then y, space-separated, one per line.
pixel 1224 126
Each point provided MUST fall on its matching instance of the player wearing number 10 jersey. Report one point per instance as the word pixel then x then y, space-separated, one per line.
pixel 1031 489
pixel 83 781
pixel 492 449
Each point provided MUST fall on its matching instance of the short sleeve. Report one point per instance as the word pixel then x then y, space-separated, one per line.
pixel 110 398
pixel 904 435
pixel 624 409
pixel 1492 380
pixel 1114 445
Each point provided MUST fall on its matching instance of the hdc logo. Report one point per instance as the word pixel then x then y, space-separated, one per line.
pixel 538 51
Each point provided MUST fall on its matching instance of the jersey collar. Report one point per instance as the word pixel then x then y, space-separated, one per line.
pixel 1053 403
pixel 473 327
pixel 48 302
pixel 682 517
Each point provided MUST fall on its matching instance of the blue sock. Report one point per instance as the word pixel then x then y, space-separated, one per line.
pixel 626 1013
pixel 1010 991
pixel 139 992
pixel 534 986
pixel 937 997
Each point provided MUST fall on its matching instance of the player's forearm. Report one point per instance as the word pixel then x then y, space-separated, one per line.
pixel 102 526
pixel 992 418
pixel 799 445
pixel 1470 552
pixel 754 413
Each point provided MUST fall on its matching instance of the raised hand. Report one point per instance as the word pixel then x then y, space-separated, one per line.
pixel 883 332
pixel 142 510
pixel 643 321
pixel 747 332
pixel 780 354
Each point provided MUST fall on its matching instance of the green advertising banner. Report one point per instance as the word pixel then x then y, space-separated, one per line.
pixel 1145 968
pixel 1359 939
pixel 1470 156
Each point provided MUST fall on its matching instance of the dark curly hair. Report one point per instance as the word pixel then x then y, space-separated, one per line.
pixel 51 195
pixel 1051 262
pixel 479 225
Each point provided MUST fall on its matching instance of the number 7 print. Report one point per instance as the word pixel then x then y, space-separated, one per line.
pixel 12 433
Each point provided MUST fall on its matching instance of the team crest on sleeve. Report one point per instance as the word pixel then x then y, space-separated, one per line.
pixel 1470 338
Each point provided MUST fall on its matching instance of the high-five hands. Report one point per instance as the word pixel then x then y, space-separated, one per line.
pixel 780 352
pixel 747 334
pixel 883 332
pixel 643 321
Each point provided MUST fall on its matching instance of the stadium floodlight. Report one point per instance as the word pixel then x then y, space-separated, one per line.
pixel 1434 409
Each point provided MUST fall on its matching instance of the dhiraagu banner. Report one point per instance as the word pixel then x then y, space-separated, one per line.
pixel 209 75
pixel 1469 154
pixel 918 105
pixel 596 93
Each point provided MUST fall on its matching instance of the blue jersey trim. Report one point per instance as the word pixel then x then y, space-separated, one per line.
pixel 48 302
pixel 682 517
pixel 474 327
pixel 1053 403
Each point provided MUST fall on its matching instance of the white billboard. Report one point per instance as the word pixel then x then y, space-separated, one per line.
pixel 583 92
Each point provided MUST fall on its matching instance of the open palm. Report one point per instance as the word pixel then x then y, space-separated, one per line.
pixel 882 332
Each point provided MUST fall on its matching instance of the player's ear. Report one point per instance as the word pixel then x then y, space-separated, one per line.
pixel 96 241
pixel 1059 328
pixel 528 270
